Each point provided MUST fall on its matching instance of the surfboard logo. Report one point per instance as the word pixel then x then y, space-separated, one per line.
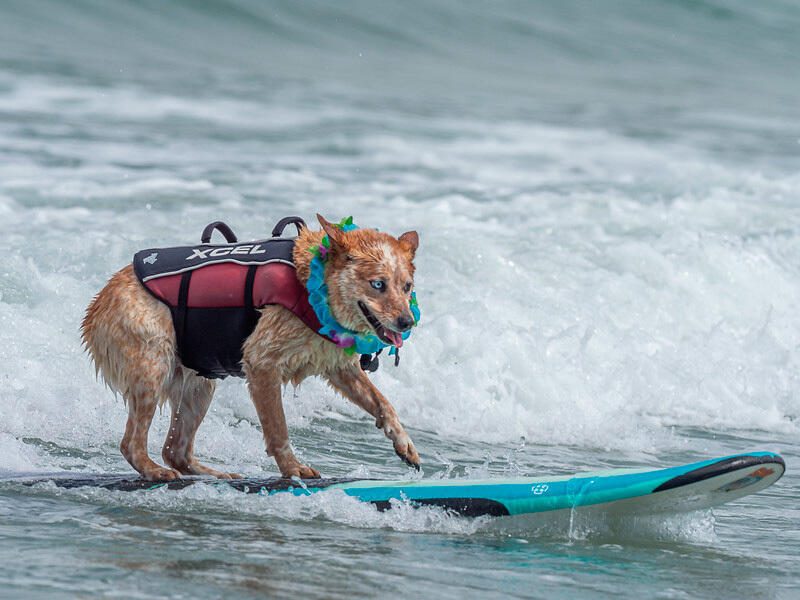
pixel 151 259
pixel 750 479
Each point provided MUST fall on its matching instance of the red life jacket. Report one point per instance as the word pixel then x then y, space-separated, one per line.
pixel 214 291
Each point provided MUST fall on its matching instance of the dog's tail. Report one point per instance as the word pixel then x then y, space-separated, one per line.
pixel 128 338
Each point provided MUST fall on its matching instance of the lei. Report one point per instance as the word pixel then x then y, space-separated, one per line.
pixel 350 341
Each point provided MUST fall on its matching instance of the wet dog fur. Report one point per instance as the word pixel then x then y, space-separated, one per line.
pixel 131 339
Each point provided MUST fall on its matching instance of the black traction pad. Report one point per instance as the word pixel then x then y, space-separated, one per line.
pixel 467 507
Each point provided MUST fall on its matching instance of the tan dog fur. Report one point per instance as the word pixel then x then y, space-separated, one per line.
pixel 131 338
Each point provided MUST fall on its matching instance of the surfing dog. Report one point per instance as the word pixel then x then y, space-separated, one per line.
pixel 131 338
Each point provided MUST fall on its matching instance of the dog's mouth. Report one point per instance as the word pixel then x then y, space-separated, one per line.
pixel 387 336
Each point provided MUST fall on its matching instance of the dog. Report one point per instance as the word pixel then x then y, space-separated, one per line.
pixel 131 337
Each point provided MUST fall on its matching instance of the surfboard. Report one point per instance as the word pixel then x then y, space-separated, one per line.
pixel 683 488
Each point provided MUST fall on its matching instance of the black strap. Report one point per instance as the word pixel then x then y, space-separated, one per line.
pixel 183 300
pixel 277 231
pixel 249 305
pixel 230 237
pixel 248 287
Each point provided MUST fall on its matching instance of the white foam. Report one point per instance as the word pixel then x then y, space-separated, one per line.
pixel 578 288
pixel 333 506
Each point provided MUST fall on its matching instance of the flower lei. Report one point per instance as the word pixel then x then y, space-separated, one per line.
pixel 350 341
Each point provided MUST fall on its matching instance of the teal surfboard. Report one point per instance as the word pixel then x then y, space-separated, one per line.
pixel 683 488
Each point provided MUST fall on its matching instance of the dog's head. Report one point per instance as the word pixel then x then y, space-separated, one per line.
pixel 370 277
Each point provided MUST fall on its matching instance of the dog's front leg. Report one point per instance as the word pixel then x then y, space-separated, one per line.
pixel 265 389
pixel 356 387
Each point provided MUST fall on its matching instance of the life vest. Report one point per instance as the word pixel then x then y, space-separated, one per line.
pixel 214 290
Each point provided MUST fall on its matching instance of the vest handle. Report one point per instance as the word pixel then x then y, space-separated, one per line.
pixel 230 237
pixel 277 231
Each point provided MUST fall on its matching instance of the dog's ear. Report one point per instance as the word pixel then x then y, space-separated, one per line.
pixel 410 239
pixel 334 233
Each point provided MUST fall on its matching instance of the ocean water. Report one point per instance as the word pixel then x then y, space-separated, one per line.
pixel 608 202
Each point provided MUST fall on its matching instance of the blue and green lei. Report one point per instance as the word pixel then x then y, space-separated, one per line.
pixel 350 341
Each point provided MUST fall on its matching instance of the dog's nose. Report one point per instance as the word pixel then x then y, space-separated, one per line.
pixel 404 323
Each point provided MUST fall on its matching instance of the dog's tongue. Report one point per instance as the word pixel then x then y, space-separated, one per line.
pixel 397 338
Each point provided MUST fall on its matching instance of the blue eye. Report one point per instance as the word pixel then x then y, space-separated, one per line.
pixel 378 285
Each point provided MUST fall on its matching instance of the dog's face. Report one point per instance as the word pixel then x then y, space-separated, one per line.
pixel 370 277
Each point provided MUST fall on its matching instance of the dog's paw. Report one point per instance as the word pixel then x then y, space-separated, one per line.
pixel 406 451
pixel 403 445
pixel 227 476
pixel 160 474
pixel 301 471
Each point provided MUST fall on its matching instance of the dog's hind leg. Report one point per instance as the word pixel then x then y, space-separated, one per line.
pixel 189 403
pixel 141 408
pixel 132 342
pixel 147 370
